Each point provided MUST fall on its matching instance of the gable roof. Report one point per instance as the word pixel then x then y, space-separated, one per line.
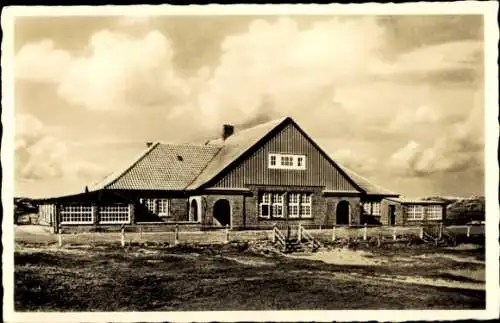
pixel 162 167
pixel 233 148
pixel 189 166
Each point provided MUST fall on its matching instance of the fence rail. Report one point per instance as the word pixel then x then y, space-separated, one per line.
pixel 139 233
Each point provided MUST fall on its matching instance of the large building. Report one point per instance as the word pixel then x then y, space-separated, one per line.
pixel 253 178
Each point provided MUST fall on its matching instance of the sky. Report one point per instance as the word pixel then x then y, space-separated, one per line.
pixel 398 99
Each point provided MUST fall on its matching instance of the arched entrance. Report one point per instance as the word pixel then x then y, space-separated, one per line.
pixel 194 211
pixel 222 212
pixel 343 212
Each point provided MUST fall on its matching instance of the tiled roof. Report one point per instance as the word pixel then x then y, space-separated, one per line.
pixel 162 167
pixel 232 148
pixel 366 184
pixel 189 166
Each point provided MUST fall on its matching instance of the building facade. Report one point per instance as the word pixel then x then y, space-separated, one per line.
pixel 253 178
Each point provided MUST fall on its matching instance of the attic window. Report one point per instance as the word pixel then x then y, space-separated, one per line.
pixel 180 158
pixel 287 161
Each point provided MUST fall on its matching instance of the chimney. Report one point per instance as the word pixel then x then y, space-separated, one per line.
pixel 149 144
pixel 227 130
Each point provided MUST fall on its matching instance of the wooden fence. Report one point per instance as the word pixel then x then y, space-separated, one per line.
pixel 126 235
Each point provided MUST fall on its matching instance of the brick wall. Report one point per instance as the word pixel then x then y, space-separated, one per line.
pixel 236 204
pixel 244 208
pixel 179 210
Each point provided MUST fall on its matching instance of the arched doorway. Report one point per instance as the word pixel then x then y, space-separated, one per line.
pixel 222 212
pixel 343 212
pixel 194 211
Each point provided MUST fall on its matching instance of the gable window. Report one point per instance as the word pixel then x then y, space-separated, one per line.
pixel 272 160
pixel 287 161
pixel 415 212
pixel 434 212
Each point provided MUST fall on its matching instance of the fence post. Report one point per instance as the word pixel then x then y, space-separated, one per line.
pixel 365 232
pixel 333 233
pixel 273 237
pixel 176 235
pixel 440 230
pixel 394 234
pixel 123 236
pixel 468 231
pixel 59 237
pixel 227 234
pixel 93 236
pixel 299 233
pixel 421 234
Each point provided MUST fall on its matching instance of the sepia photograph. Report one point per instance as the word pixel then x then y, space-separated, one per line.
pixel 212 159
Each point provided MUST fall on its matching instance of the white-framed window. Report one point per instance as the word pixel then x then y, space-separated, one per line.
pixel 115 213
pixel 287 161
pixel 414 212
pixel 299 205
pixel 277 210
pixel 265 205
pixel 163 207
pixel 293 205
pixel 371 208
pixel 77 214
pixel 150 205
pixel 272 160
pixel 367 207
pixel 434 212
pixel 305 205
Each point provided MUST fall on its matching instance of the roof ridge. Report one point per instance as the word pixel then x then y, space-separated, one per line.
pixel 118 175
pixel 238 132
pixel 184 144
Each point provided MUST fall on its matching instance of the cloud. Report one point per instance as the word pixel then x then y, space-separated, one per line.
pixel 118 72
pixel 458 150
pixel 122 73
pixel 279 67
pixel 355 160
pixel 41 62
pixel 450 61
pixel 331 76
pixel 39 155
pixel 424 115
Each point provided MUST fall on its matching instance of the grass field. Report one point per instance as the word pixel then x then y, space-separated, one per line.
pixel 244 276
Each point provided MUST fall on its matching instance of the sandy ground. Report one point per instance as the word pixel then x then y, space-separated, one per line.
pixel 345 256
pixel 341 256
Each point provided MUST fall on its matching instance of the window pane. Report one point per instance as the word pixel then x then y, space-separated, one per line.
pixel 264 210
pixel 293 211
